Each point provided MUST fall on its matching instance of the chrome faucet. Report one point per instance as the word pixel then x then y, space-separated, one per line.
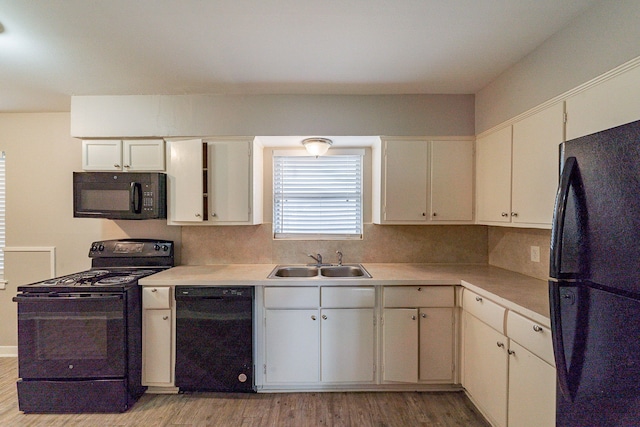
pixel 339 257
pixel 317 258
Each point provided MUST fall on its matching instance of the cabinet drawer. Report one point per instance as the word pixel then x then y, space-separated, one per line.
pixel 488 311
pixel 156 297
pixel 531 335
pixel 291 297
pixel 418 296
pixel 347 297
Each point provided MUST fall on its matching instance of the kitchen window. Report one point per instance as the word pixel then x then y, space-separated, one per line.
pixel 317 197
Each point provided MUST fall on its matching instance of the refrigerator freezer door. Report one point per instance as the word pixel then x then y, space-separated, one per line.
pixel 599 372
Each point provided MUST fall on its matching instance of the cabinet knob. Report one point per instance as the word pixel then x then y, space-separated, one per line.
pixel 500 344
pixel 214 214
pixel 198 215
pixel 419 289
pixel 413 317
pixel 154 290
pixel 324 317
pixel 165 317
pixel 479 299
pixel 117 166
pixel 504 214
pixel 126 166
pixel 511 352
pixel 514 213
pixel 435 214
pixel 313 317
pixel 424 315
pixel 537 328
pixel 424 214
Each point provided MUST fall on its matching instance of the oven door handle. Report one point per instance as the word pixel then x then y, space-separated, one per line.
pixel 66 296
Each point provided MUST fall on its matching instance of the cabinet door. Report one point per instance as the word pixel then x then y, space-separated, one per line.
pixel 229 181
pixel 485 369
pixel 347 345
pixel 536 141
pixel 400 344
pixel 102 155
pixel 292 346
pixel 436 344
pixel 143 155
pixel 185 181
pixel 532 389
pixel 451 180
pixel 493 177
pixel 405 180
pixel 157 369
pixel 611 103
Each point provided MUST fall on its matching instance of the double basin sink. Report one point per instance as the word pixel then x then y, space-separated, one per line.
pixel 349 271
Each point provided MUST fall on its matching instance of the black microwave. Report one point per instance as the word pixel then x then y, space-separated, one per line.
pixel 130 195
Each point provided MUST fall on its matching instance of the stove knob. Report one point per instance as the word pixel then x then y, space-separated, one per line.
pixel 165 248
pixel 101 247
pixel 156 247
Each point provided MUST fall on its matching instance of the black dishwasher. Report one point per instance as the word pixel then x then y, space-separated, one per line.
pixel 214 339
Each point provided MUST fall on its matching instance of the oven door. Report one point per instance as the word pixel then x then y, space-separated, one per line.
pixel 75 335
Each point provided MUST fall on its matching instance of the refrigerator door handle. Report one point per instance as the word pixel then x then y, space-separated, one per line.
pixel 558 340
pixel 557 231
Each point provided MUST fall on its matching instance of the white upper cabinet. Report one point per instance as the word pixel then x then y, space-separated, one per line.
pixel 493 177
pixel 214 182
pixel 420 182
pixel 185 181
pixel 133 155
pixel 610 103
pixel 451 181
pixel 517 171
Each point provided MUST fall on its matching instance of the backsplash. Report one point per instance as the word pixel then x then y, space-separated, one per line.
pixel 510 248
pixel 451 244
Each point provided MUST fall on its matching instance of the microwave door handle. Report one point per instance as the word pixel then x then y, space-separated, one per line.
pixel 136 197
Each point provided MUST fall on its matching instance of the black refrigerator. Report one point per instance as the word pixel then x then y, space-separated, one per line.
pixel 594 285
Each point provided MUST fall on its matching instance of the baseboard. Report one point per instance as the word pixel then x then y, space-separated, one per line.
pixel 9 351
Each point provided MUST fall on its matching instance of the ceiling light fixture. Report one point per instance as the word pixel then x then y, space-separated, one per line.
pixel 317 146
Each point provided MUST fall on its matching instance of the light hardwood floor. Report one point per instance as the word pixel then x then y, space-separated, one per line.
pixel 263 409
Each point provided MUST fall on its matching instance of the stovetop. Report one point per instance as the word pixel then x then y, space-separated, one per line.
pixel 116 266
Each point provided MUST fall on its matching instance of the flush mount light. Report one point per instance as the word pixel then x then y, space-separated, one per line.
pixel 317 146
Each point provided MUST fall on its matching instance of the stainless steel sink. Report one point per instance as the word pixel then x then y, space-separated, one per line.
pixel 347 271
pixel 294 271
pixel 344 271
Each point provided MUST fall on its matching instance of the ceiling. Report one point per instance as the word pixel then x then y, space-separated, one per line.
pixel 50 50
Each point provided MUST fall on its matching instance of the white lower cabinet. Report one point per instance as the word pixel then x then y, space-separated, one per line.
pixel 347 337
pixel 532 389
pixel 510 377
pixel 157 345
pixel 309 344
pixel 485 376
pixel 418 334
pixel 292 346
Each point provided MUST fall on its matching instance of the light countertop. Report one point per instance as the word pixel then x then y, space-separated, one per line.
pixel 523 294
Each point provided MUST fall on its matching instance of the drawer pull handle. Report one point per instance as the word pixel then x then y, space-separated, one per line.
pixel 154 290
pixel 479 299
pixel 165 317
pixel 500 344
pixel 511 352
pixel 537 328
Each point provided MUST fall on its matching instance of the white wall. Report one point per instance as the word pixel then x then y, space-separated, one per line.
pixel 211 115
pixel 603 38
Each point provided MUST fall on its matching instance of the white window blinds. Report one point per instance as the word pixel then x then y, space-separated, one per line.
pixel 317 197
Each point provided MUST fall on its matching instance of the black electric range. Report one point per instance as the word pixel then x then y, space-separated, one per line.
pixel 80 335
